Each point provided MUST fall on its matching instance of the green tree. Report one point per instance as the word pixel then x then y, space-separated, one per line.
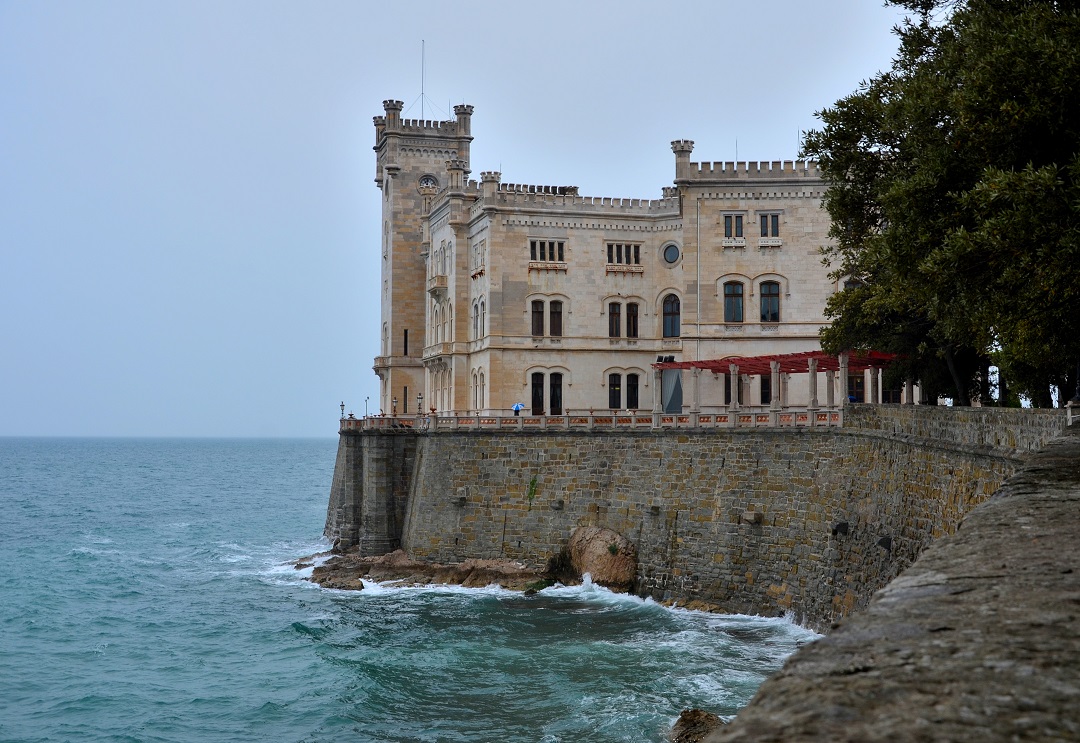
pixel 955 198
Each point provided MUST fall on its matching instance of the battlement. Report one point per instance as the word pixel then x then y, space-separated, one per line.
pixel 752 170
pixel 553 190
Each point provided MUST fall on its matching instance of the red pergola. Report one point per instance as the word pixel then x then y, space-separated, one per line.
pixel 790 363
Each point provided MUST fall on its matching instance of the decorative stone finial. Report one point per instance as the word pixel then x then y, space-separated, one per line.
pixel 682 145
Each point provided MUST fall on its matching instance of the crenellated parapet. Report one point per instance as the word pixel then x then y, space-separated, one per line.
pixel 566 198
pixel 776 169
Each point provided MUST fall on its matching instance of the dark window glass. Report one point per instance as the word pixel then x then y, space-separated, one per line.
pixel 775 219
pixel 538 393
pixel 632 320
pixel 555 319
pixel 766 389
pixel 532 250
pixel 891 397
pixel 729 222
pixel 613 317
pixel 632 392
pixel 738 225
pixel 637 255
pixel 770 301
pixel 618 252
pixel 671 316
pixel 671 254
pixel 538 318
pixel 405 342
pixel 764 225
pixel 614 391
pixel 561 258
pixel 611 252
pixel 733 302
pixel 555 385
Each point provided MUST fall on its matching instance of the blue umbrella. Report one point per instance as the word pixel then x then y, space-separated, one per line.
pixel 517 406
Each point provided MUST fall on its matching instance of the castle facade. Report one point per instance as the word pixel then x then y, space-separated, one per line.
pixel 495 293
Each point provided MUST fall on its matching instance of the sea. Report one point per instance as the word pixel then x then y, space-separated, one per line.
pixel 148 593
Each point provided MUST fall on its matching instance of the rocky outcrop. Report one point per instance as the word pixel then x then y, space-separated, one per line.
pixel 609 557
pixel 693 725
pixel 348 571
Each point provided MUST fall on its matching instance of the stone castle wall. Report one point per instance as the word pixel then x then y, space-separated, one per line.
pixel 764 521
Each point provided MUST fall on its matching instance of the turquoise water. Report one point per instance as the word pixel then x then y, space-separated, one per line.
pixel 147 595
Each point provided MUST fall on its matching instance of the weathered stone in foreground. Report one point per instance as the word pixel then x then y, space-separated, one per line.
pixel 693 725
pixel 609 557
pixel 979 640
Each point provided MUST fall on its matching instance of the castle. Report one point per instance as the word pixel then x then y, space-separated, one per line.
pixel 494 294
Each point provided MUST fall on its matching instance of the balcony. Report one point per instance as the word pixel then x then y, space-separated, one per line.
pixel 733 242
pixel 437 285
pixel 438 349
pixel 770 242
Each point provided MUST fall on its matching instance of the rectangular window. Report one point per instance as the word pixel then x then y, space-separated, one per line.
pixel 733 302
pixel 538 318
pixel 766 389
pixel 547 250
pixel 631 391
pixel 770 301
pixel 626 254
pixel 405 400
pixel 555 385
pixel 555 319
pixel 733 225
pixel 614 391
pixel 632 320
pixel 613 317
pixel 538 393
pixel 770 225
pixel 405 341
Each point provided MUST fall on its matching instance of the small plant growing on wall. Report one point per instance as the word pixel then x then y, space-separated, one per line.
pixel 530 493
pixel 613 548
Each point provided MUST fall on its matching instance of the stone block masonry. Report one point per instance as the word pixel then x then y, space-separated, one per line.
pixel 766 521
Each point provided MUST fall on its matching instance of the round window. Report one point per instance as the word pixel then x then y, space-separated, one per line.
pixel 671 254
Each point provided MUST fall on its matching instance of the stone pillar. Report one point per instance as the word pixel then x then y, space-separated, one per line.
pixel 811 365
pixel 843 379
pixel 695 403
pixel 830 389
pixel 657 396
pixel 733 370
pixel 909 391
pixel 875 375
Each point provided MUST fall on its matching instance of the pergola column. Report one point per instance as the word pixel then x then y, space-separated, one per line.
pixel 909 391
pixel 657 395
pixel 843 379
pixel 774 385
pixel 875 375
pixel 811 366
pixel 830 389
pixel 695 403
pixel 733 371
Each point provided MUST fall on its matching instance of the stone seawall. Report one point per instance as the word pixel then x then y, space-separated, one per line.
pixel 768 521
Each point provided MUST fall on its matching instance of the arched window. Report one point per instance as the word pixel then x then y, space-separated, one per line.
pixel 483 319
pixel 770 301
pixel 671 316
pixel 483 392
pixel 631 320
pixel 475 320
pixel 733 302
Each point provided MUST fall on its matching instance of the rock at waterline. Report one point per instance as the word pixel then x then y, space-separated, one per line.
pixel 609 557
pixel 693 725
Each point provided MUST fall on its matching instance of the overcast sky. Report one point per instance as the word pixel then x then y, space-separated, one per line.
pixel 188 220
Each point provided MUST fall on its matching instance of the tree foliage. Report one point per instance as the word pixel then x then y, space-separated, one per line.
pixel 955 198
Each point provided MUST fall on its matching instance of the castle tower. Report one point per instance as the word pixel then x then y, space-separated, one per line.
pixel 412 159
